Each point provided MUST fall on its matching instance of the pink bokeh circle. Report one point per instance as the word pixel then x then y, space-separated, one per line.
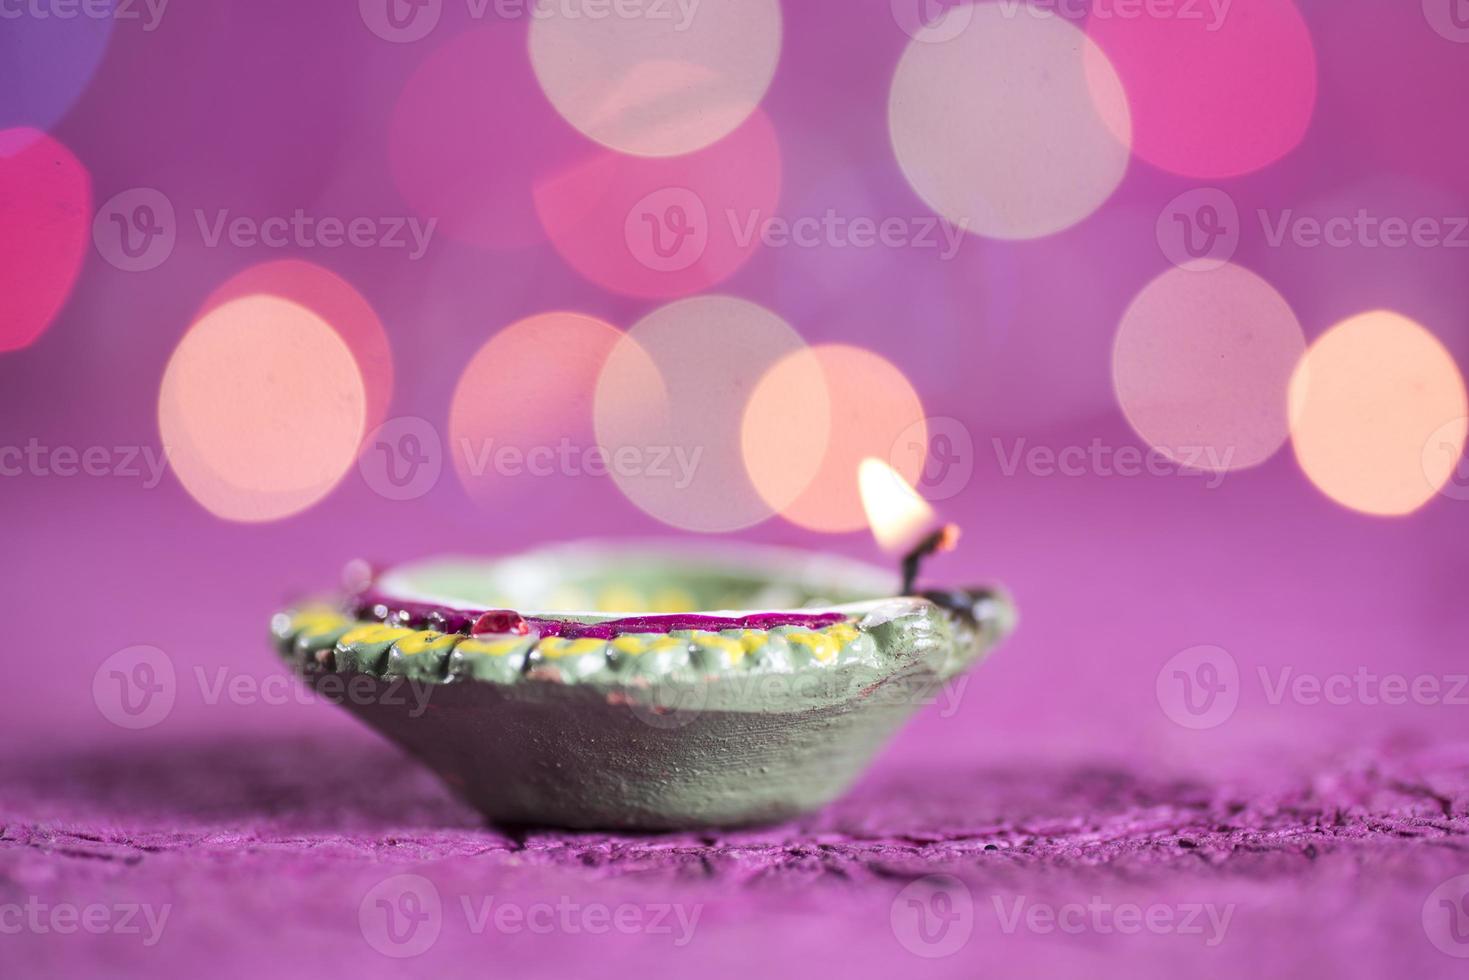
pixel 471 133
pixel 665 226
pixel 332 299
pixel 45 209
pixel 1216 93
pixel 1201 364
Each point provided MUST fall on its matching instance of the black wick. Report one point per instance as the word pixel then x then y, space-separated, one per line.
pixel 940 540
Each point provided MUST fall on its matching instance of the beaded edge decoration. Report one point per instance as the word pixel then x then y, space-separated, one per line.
pixel 323 638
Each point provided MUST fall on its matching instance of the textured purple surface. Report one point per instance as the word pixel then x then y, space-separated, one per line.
pixel 265 821
pixel 264 848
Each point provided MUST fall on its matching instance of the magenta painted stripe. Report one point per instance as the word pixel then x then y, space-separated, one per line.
pixel 381 607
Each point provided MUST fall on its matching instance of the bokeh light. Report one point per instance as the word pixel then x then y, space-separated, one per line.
pixel 811 421
pixel 654 78
pixel 47 61
pixel 671 400
pixel 45 211
pixel 332 299
pixel 665 227
pixel 261 409
pixel 520 423
pixel 1215 95
pixel 470 133
pixel 1382 241
pixel 998 130
pixel 1202 365
pixel 1378 414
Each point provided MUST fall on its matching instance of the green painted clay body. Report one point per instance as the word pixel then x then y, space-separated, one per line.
pixel 648 731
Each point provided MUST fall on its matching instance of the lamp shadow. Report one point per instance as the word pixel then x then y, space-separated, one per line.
pixel 284 786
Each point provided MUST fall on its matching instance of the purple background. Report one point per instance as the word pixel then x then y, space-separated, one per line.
pixel 270 106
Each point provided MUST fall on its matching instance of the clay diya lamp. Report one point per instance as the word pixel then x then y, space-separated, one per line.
pixel 765 705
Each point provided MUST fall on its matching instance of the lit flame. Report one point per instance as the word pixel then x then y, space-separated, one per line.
pixel 898 516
